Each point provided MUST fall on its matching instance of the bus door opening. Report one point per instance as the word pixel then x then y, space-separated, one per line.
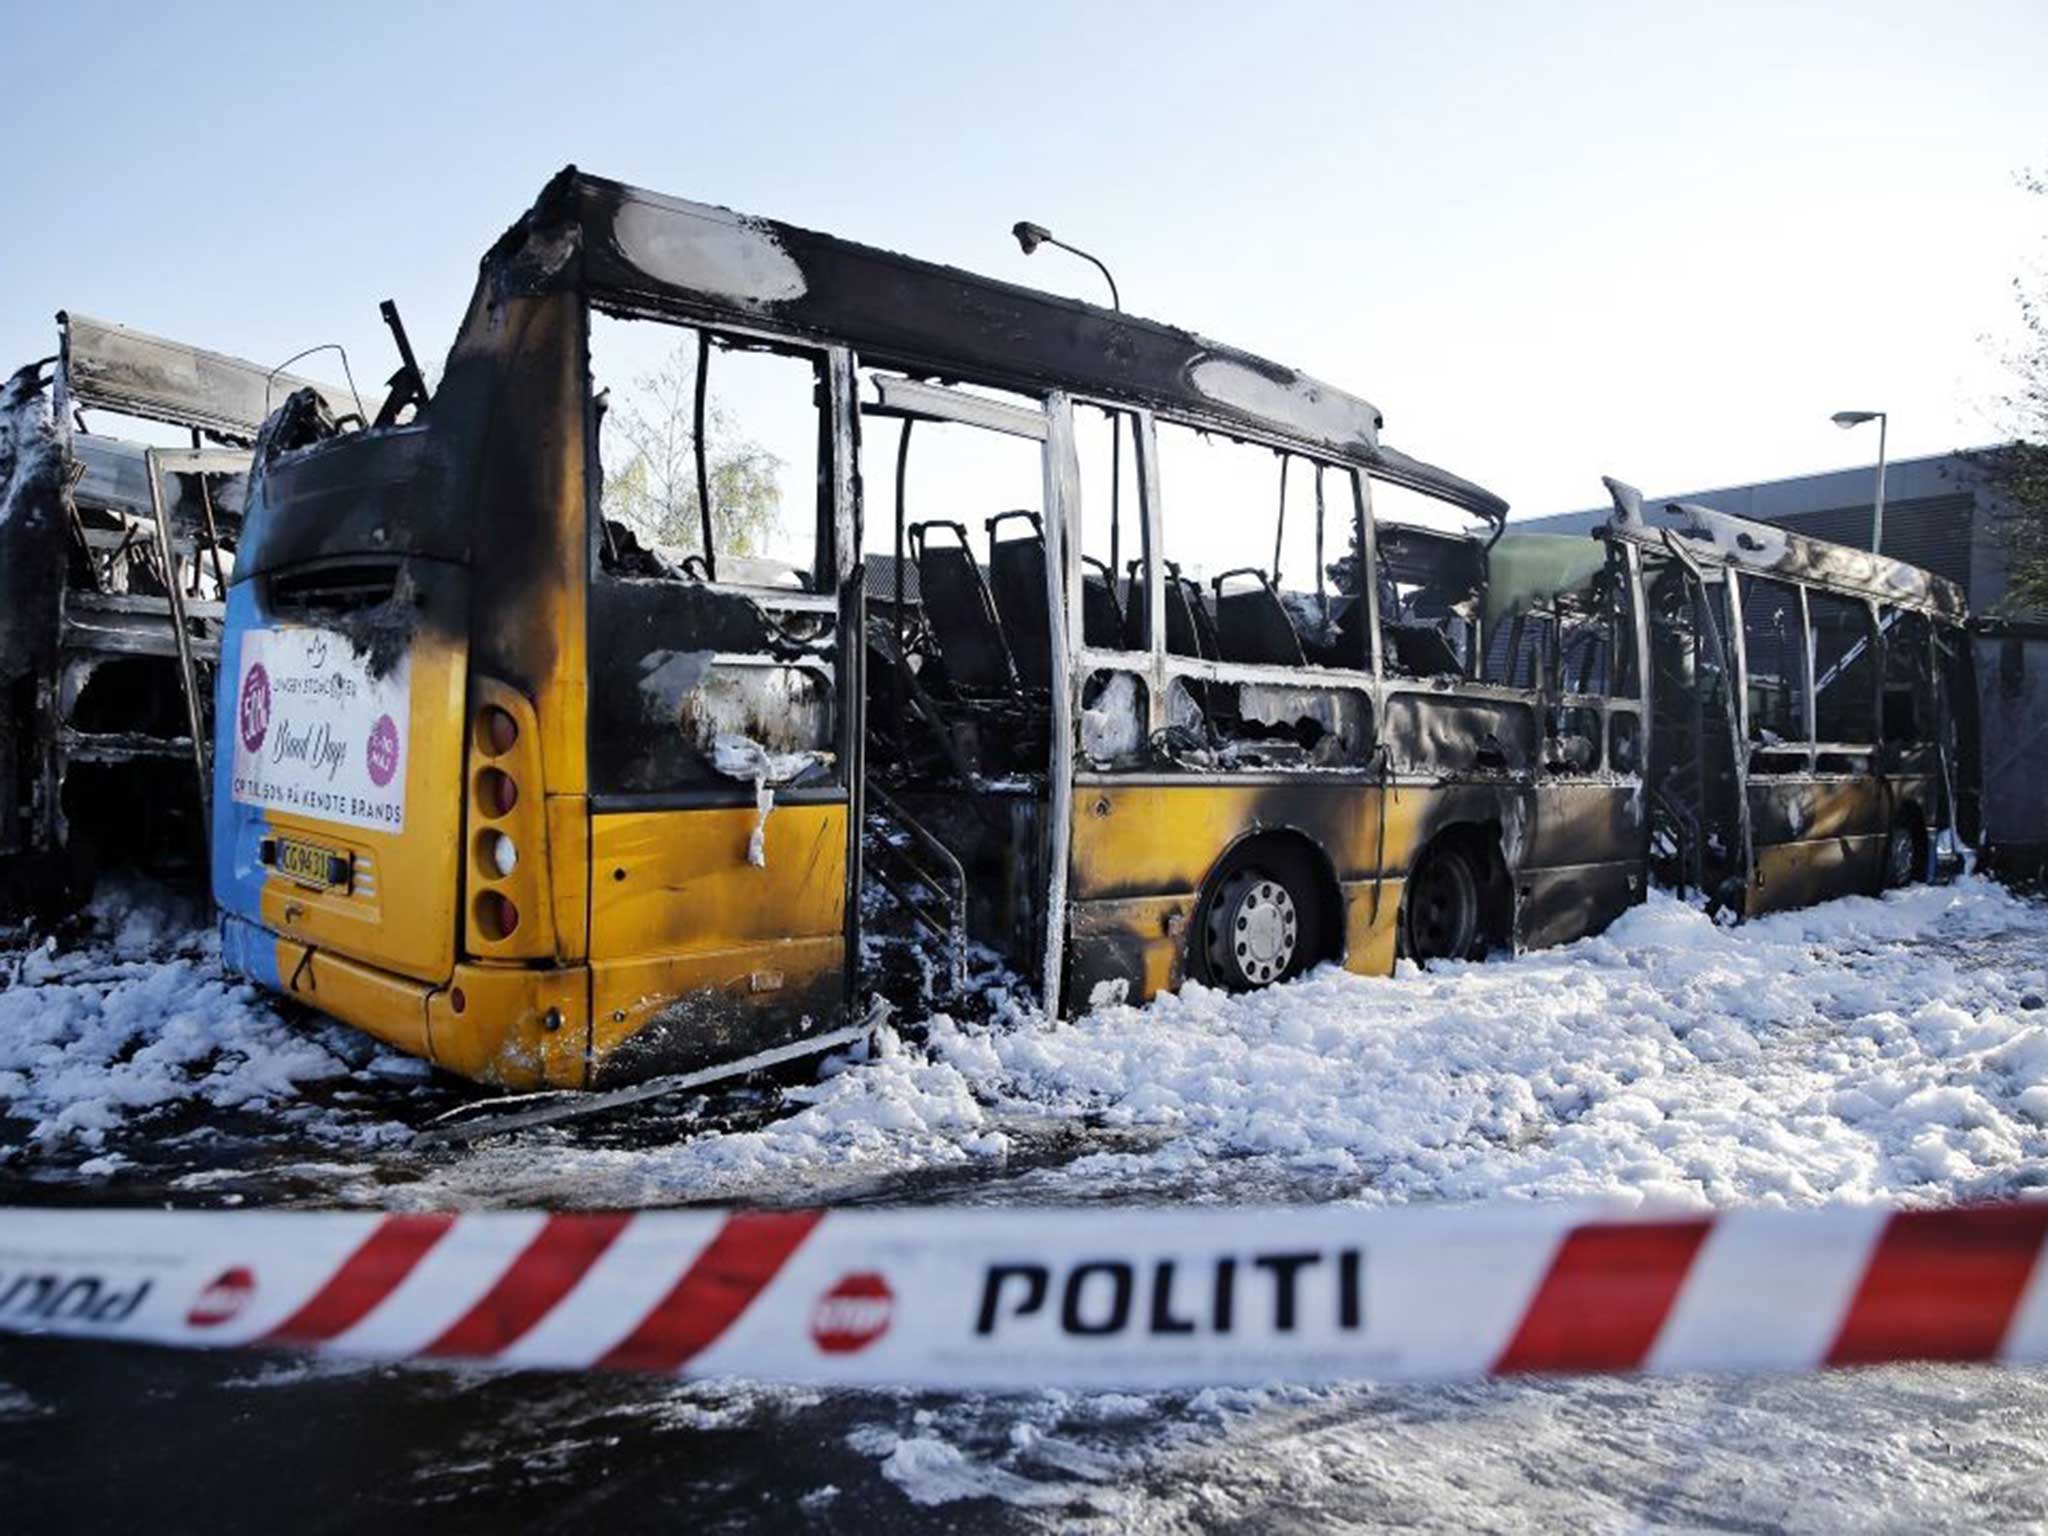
pixel 1699 838
pixel 964 682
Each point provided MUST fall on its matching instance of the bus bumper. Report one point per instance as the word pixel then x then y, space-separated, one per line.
pixel 507 1026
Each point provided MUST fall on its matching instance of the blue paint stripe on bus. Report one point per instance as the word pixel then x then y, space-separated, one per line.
pixel 238 830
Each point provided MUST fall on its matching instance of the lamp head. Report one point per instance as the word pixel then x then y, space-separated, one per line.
pixel 1847 419
pixel 1030 236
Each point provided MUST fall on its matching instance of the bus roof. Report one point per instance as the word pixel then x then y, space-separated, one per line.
pixel 1712 537
pixel 641 253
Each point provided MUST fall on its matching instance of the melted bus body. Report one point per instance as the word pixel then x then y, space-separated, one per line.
pixel 570 723
pixel 1815 727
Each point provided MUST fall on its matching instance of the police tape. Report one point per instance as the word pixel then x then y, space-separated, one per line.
pixel 1027 1298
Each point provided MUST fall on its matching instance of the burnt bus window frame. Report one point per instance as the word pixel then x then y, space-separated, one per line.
pixel 825 572
pixel 1625 666
pixel 823 611
pixel 1789 754
pixel 1609 722
pixel 1867 660
pixel 1922 712
pixel 1505 727
pixel 1162 672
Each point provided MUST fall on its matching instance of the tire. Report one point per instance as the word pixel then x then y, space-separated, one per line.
pixel 1259 927
pixel 1441 918
pixel 1903 863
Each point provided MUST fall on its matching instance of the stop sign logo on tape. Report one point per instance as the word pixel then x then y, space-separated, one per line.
pixel 853 1314
pixel 223 1299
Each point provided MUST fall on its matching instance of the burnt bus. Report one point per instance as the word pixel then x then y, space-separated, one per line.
pixel 1814 711
pixel 116 540
pixel 562 741
pixel 558 742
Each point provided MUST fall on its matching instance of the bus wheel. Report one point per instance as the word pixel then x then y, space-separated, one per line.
pixel 1440 918
pixel 1254 930
pixel 1902 861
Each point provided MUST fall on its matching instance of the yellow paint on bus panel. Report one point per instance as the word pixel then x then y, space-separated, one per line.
pixel 1799 874
pixel 520 1027
pixel 568 822
pixel 1143 852
pixel 1166 838
pixel 398 913
pixel 1372 919
pixel 678 883
pixel 1160 839
pixel 392 1008
pixel 1154 929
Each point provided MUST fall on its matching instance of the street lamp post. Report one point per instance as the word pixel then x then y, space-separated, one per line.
pixel 1030 237
pixel 1846 420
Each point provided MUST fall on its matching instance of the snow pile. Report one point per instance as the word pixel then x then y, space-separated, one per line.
pixel 1861 1050
pixel 95 1038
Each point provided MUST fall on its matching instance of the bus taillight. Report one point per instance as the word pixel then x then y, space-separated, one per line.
pixel 508 916
pixel 496 917
pixel 497 792
pixel 496 731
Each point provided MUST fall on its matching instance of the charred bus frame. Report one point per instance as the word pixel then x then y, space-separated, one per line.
pixel 1815 729
pixel 663 905
pixel 114 557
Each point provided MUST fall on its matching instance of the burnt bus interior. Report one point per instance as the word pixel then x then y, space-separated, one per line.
pixel 122 509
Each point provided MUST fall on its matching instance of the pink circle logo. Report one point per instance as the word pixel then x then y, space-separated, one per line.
pixel 253 713
pixel 381 753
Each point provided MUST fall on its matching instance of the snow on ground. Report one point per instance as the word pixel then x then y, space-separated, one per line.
pixel 1828 1054
pixel 97 1039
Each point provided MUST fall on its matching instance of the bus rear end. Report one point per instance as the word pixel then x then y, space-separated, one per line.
pixel 497 784
pixel 383 780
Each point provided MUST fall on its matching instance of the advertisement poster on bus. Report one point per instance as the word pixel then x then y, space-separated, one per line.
pixel 316 733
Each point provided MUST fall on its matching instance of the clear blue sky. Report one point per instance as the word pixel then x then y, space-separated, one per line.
pixel 1548 241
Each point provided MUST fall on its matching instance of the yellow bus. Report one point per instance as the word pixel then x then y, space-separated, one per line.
pixel 737 581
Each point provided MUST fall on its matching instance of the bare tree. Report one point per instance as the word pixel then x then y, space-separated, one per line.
pixel 2017 471
pixel 650 480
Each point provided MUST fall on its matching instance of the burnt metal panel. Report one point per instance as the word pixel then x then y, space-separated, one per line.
pixel 1932 532
pixel 639 252
pixel 1722 539
pixel 1460 734
pixel 112 367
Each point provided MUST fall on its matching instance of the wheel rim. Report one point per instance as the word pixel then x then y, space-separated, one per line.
pixel 1899 857
pixel 1254 930
pixel 1443 910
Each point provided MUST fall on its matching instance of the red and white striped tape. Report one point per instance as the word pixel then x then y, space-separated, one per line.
pixel 1028 1298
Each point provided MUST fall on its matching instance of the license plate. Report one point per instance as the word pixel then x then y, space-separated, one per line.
pixel 309 863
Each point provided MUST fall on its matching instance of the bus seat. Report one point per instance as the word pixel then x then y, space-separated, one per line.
pixel 1102 616
pixel 1422 650
pixel 961 613
pixel 1188 632
pixel 1016 577
pixel 1199 621
pixel 1252 627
